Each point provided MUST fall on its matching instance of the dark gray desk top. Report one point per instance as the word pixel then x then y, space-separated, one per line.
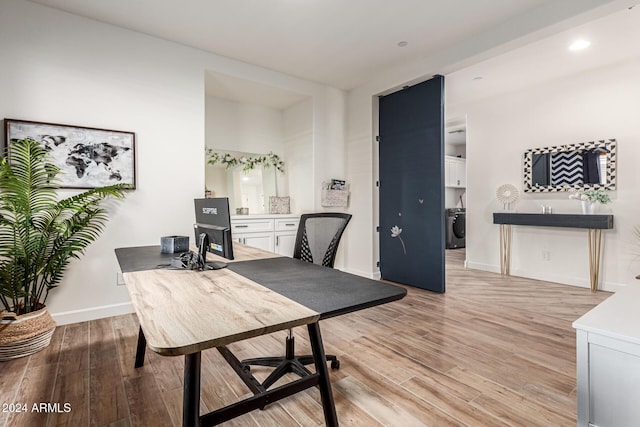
pixel 328 291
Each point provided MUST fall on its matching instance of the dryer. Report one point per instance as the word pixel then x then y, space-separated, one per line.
pixel 455 223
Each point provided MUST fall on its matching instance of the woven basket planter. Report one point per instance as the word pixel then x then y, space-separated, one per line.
pixel 25 334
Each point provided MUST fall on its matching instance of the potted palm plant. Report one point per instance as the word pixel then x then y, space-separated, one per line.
pixel 39 235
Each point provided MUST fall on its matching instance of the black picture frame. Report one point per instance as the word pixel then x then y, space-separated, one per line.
pixel 87 157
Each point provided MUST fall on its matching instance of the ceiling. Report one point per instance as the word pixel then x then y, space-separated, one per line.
pixel 614 38
pixel 340 43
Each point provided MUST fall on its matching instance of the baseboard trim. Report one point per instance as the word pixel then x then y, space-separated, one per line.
pixel 564 280
pixel 369 275
pixel 479 266
pixel 86 314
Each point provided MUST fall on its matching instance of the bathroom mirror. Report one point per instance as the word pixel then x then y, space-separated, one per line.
pixel 573 166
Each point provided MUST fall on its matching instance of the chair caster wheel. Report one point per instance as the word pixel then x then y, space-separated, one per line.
pixel 335 364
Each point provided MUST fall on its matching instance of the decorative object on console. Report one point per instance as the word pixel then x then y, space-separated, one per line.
pixel 39 235
pixel 507 194
pixel 279 205
pixel 589 198
pixel 87 157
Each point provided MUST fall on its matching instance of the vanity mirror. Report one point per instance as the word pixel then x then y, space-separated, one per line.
pixel 573 166
pixel 244 179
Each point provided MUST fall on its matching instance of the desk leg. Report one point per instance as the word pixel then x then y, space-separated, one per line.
pixel 191 396
pixel 142 346
pixel 328 406
pixel 595 243
pixel 505 249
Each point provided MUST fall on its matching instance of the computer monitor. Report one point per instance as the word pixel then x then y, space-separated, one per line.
pixel 212 218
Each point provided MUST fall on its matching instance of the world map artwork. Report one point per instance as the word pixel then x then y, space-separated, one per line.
pixel 88 158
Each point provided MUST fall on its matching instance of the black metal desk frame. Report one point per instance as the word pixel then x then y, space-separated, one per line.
pixel 337 300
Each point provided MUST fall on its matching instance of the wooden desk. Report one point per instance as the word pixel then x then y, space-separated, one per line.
pixel 593 223
pixel 184 312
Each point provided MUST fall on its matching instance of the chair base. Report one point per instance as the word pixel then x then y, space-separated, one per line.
pixel 287 364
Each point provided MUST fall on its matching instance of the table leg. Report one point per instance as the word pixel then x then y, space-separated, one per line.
pixel 595 243
pixel 142 346
pixel 328 406
pixel 191 395
pixel 505 249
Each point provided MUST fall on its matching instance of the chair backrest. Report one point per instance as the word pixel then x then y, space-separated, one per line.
pixel 318 237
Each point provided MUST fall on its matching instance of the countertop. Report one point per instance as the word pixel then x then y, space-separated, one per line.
pixel 617 317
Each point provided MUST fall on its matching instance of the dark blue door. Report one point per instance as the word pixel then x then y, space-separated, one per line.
pixel 412 185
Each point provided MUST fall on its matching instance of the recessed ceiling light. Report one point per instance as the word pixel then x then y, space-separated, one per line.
pixel 403 43
pixel 579 45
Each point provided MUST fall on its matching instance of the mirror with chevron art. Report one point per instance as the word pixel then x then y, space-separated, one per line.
pixel 573 166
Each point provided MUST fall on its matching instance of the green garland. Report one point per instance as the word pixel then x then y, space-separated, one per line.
pixel 226 159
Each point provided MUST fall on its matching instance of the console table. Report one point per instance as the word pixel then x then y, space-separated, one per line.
pixel 593 223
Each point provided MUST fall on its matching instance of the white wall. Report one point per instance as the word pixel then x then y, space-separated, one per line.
pixel 599 104
pixel 62 68
pixel 298 140
pixel 238 126
pixel 361 125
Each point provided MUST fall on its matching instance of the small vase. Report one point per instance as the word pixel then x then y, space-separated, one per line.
pixel 588 207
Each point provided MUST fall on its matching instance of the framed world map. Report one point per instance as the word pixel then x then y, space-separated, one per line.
pixel 87 157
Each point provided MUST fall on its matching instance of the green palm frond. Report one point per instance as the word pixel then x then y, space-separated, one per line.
pixel 40 234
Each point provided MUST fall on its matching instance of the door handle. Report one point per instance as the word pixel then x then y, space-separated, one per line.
pixel 277 240
pixel 241 226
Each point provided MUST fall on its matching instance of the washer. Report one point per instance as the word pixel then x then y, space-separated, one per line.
pixel 455 223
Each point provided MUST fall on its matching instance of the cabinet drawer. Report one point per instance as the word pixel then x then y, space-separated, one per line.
pixel 287 224
pixel 251 225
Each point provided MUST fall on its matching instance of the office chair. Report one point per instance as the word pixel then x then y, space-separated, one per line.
pixel 317 242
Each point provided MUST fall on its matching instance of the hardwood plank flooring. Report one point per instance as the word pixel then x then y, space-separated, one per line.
pixel 491 351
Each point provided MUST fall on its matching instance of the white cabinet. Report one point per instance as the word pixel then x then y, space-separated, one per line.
pixel 274 233
pixel 455 172
pixel 608 362
pixel 285 235
pixel 285 241
pixel 256 240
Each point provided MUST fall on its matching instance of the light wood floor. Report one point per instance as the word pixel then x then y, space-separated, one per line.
pixel 491 351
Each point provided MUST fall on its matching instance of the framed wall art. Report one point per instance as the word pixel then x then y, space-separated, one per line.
pixel 87 157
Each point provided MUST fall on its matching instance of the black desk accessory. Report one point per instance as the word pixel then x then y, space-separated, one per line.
pixel 174 244
pixel 215 265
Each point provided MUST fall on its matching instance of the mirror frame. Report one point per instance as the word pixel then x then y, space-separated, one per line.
pixel 611 173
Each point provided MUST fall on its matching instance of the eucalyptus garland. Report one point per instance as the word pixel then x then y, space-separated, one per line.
pixel 229 161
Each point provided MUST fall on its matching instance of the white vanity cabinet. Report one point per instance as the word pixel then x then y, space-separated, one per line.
pixel 608 362
pixel 455 172
pixel 275 233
